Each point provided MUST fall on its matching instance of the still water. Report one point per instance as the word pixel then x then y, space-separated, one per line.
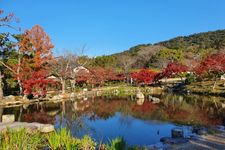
pixel 139 123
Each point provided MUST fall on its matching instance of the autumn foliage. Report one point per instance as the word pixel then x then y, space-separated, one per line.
pixel 213 64
pixel 6 19
pixel 173 68
pixel 145 76
pixel 97 76
pixel 35 49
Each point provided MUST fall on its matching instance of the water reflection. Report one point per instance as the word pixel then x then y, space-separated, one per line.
pixel 140 101
pixel 110 117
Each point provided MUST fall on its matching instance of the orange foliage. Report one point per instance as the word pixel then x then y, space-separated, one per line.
pixel 97 76
pixel 35 48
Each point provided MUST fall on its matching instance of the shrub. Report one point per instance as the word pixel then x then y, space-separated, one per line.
pixel 20 140
pixel 116 144
pixel 63 140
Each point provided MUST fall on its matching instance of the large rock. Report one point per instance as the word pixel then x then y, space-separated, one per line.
pixel 199 130
pixel 44 128
pixel 169 140
pixel 72 95
pixel 10 97
pixel 157 146
pixel 57 97
pixel 8 118
pixel 140 95
pixel 153 99
pixel 223 105
pixel 177 133
pixel 140 101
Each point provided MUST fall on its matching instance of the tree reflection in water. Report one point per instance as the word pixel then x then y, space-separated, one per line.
pixel 80 115
pixel 71 118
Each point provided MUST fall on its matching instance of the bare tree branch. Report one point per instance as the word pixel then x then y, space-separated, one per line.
pixel 13 71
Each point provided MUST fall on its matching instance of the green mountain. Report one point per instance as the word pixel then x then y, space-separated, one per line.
pixel 185 49
pixel 205 40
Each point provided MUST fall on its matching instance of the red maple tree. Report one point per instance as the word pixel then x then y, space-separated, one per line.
pixel 145 76
pixel 173 68
pixel 97 76
pixel 36 52
pixel 213 64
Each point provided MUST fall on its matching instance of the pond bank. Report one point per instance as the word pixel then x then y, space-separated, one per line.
pixel 105 109
pixel 12 101
pixel 207 88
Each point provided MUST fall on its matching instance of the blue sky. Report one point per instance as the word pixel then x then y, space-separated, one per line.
pixel 110 26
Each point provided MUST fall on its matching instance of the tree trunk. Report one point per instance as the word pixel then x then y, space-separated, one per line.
pixel 20 114
pixel 63 83
pixel 72 82
pixel 20 86
pixel 1 88
pixel 63 109
pixel 214 85
pixel 1 113
pixel 18 78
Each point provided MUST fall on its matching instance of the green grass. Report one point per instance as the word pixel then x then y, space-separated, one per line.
pixel 21 139
pixel 206 87
pixel 116 144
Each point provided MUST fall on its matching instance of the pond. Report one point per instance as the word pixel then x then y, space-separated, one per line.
pixel 108 117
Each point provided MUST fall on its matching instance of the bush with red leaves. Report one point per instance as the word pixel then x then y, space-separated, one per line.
pixel 173 68
pixel 213 64
pixel 145 76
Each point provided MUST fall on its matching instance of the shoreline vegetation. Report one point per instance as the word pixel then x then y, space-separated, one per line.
pixel 11 101
pixel 207 88
pixel 199 88
pixel 22 139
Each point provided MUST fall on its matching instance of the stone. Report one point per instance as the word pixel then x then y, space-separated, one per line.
pixel 153 99
pixel 85 98
pixel 57 97
pixel 157 146
pixel 10 97
pixel 202 132
pixel 177 133
pixel 72 95
pixel 31 127
pixel 140 95
pixel 140 101
pixel 53 112
pixel 44 128
pixel 25 97
pixel 25 106
pixel 8 118
pixel 199 130
pixel 116 92
pixel 223 105
pixel 169 140
pixel 222 77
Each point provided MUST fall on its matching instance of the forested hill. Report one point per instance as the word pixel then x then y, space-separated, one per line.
pixel 184 49
pixel 205 40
